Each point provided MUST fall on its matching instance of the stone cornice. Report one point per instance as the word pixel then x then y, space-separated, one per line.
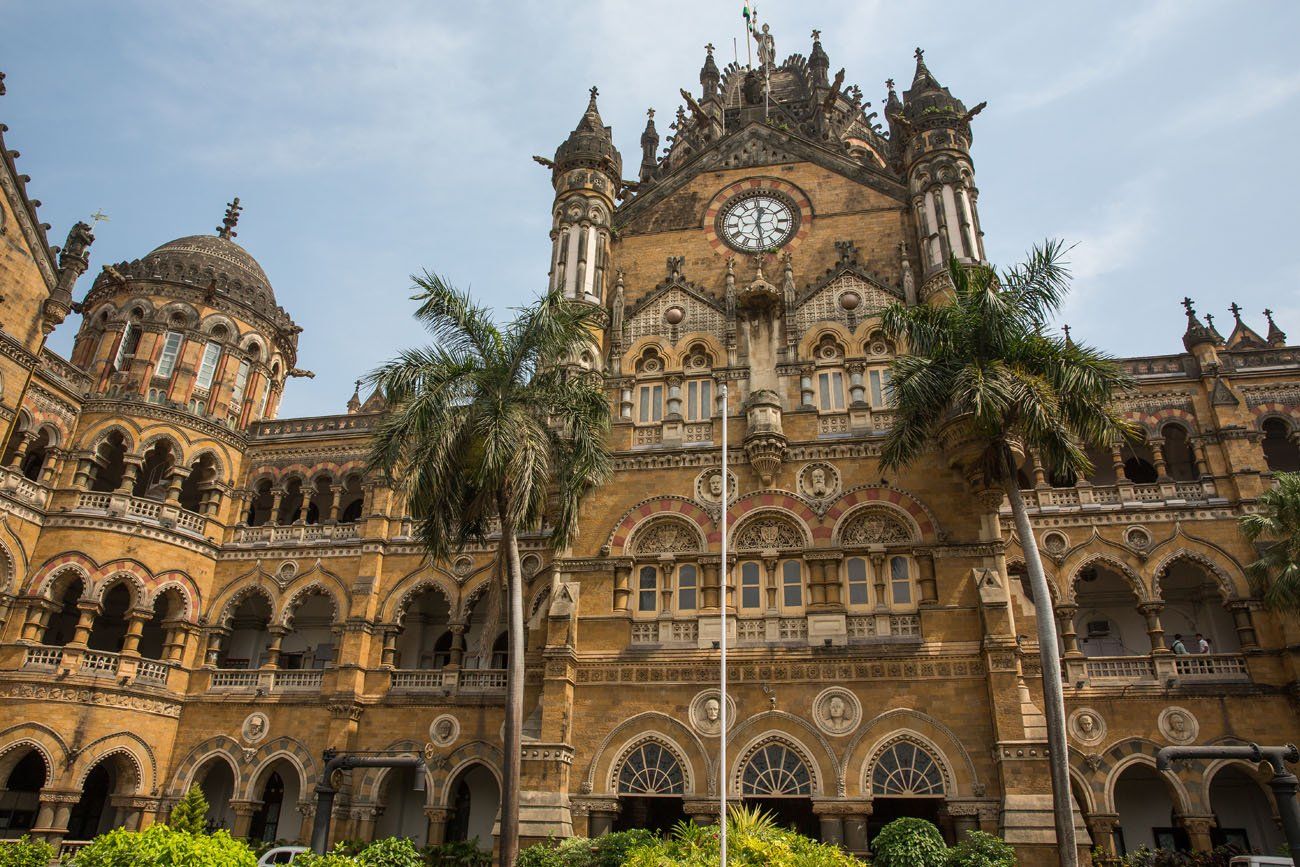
pixel 133 407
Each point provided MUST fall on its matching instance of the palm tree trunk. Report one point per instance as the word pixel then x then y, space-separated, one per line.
pixel 509 849
pixel 1049 656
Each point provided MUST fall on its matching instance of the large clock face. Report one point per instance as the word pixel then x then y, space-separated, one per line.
pixel 761 221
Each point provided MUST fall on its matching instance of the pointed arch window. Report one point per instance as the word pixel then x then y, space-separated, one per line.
pixel 775 770
pixel 908 770
pixel 651 769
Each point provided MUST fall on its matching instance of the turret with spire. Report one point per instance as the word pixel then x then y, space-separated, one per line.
pixel 709 75
pixel 649 148
pixel 818 63
pixel 1243 336
pixel 1276 336
pixel 930 131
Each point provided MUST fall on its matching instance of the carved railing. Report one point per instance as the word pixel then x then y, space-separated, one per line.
pixel 415 679
pixel 1120 668
pixel 1086 495
pixel 43 658
pixel 233 678
pixel 1212 666
pixel 142 509
pixel 97 664
pixel 23 488
pixel 295 534
pixel 152 671
pixel 306 678
pixel 483 679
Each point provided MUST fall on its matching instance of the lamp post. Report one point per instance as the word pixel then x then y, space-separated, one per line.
pixel 325 791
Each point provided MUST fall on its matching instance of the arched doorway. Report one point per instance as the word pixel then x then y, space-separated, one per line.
pixel 109 630
pixel 776 779
pixel 475 800
pixel 277 816
pixel 651 786
pixel 403 813
pixel 1146 812
pixel 907 781
pixel 424 640
pixel 1108 622
pixel 217 780
pixel 1244 812
pixel 1194 604
pixel 20 797
pixel 94 813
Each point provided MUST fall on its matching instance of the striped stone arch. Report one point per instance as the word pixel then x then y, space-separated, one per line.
pixel 287 748
pixel 222 746
pixel 152 438
pixel 1153 420
pixel 32 735
pixel 921 518
pixel 1273 409
pixel 219 462
pixel 129 431
pixel 183 584
pixel 51 570
pixel 1071 572
pixel 8 570
pixel 129 572
pixel 127 744
pixel 302 589
pixel 649 724
pixel 1083 782
pixel 780 501
pixel 1130 751
pixel 622 532
pixel 393 608
pixel 223 608
pixel 473 753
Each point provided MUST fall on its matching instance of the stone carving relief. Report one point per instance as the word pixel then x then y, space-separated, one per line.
pixel 444 730
pixel 705 712
pixel 836 711
pixel 1178 725
pixel 875 526
pixel 1137 538
pixel 768 533
pixel 666 536
pixel 255 727
pixel 1086 726
pixel 819 481
pixel 1055 543
pixel 708 486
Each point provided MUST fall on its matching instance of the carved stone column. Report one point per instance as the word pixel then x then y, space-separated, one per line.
pixel 243 811
pixel 135 621
pixel 1244 623
pixel 273 649
pixel 457 644
pixel 37 618
pixel 81 477
pixel 25 439
pixel 1198 831
pixel 710 591
pixel 437 817
pixel 174 483
pixel 216 638
pixel 929 586
pixel 1156 632
pixel 1101 827
pixel 336 493
pixel 276 496
pixel 85 622
pixel 622 589
pixel 130 473
pixel 388 657
pixel 1069 637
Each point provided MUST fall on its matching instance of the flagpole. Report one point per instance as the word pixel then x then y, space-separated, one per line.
pixel 722 639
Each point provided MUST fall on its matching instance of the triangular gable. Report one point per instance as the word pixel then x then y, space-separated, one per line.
pixel 821 303
pixel 760 145
pixel 647 318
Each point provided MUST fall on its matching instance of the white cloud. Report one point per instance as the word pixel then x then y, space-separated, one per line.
pixel 1250 95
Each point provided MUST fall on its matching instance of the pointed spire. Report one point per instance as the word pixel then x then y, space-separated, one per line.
pixel 227 228
pixel 590 142
pixel 1214 332
pixel 1243 336
pixel 709 75
pixel 1069 341
pixel 649 144
pixel 923 76
pixel 818 62
pixel 354 404
pixel 1276 336
pixel 1196 332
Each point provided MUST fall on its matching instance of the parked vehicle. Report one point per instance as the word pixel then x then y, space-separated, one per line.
pixel 286 855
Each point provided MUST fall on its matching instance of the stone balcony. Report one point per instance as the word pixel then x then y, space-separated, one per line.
pixel 1157 669
pixel 23 489
pixel 442 681
pixel 125 669
pixel 1086 497
pixel 295 534
pixel 141 509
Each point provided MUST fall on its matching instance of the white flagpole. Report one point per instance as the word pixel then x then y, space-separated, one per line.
pixel 722 643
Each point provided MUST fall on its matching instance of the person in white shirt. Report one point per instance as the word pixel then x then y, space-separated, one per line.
pixel 1202 645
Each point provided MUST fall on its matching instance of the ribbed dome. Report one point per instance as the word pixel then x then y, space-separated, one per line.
pixel 219 255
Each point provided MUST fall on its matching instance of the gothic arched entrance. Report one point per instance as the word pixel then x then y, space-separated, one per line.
pixel 907 781
pixel 20 798
pixel 277 816
pixel 650 789
pixel 475 799
pixel 94 813
pixel 403 814
pixel 776 779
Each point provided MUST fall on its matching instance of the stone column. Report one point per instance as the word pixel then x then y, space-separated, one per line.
pixel 135 621
pixel 388 656
pixel 855 828
pixel 601 820
pixel 276 496
pixel 129 474
pixel 81 478
pixel 770 583
pixel 1244 623
pixel 25 440
pixel 174 482
pixel 622 590
pixel 1156 632
pixel 701 812
pixel 216 638
pixel 307 809
pixel 85 622
pixel 273 649
pixel 437 817
pixel 929 586
pixel 173 640
pixel 336 492
pixel 1117 462
pixel 457 644
pixel 709 594
pixel 36 620
pixel 52 817
pixel 965 818
pixel 830 817
pixel 1101 827
pixel 1040 472
pixel 243 811
pixel 1198 831
pixel 1069 637
pixel 1158 457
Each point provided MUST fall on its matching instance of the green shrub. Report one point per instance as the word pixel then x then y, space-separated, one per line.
pixel 753 840
pixel 607 850
pixel 391 852
pixel 190 813
pixel 332 859
pixel 1145 857
pixel 25 852
pixel 982 850
pixel 160 846
pixel 462 854
pixel 908 843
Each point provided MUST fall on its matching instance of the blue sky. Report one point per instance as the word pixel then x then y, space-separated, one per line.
pixel 369 140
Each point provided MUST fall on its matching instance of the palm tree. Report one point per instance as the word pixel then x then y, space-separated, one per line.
pixel 1276 574
pixel 979 364
pixel 487 432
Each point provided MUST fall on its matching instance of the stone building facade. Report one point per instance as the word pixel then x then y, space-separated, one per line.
pixel 195 591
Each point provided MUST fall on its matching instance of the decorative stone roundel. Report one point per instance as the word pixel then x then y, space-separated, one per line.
pixel 444 730
pixel 836 711
pixel 1137 538
pixel 666 536
pixel 1055 543
pixel 819 480
pixel 1178 725
pixel 708 486
pixel 1086 726
pixel 875 526
pixel 255 727
pixel 705 713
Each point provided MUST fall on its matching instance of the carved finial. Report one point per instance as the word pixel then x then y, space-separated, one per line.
pixel 1236 311
pixel 1066 329
pixel 1187 305
pixel 650 113
pixel 354 404
pixel 709 49
pixel 1209 317
pixel 227 228
pixel 595 92
pixel 919 54
pixel 889 84
pixel 675 267
pixel 816 35
pixel 1276 336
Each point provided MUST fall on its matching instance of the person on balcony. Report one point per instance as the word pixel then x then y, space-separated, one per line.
pixel 1178 647
pixel 1202 644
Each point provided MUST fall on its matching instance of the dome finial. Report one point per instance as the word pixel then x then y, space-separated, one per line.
pixel 226 230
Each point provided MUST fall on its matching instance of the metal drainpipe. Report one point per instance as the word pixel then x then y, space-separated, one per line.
pixel 1283 783
pixel 325 791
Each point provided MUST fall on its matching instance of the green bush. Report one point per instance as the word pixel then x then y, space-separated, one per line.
pixel 1145 857
pixel 908 843
pixel 607 850
pixel 982 850
pixel 160 846
pixel 753 840
pixel 190 813
pixel 391 852
pixel 25 852
pixel 462 854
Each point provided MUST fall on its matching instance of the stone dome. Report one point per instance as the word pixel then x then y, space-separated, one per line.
pixel 212 255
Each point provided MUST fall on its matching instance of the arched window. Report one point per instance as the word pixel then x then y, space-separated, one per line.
pixel 907 770
pixel 155 472
pixel 775 770
pixel 651 769
pixel 1139 464
pixel 110 463
pixel 1281 451
pixel 37 452
pixel 1180 463
pixel 900 581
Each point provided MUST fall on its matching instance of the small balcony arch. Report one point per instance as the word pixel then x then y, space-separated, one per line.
pixel 66 594
pixel 249 633
pixel 351 500
pixel 1281 446
pixel 109 463
pixel 155 472
pixel 1139 463
pixel 426 640
pixel 162 637
pixel 310 639
pixel 199 489
pixel 321 501
pixel 292 503
pixel 1180 459
pixel 1194 605
pixel 262 504
pixel 108 632
pixel 1108 621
